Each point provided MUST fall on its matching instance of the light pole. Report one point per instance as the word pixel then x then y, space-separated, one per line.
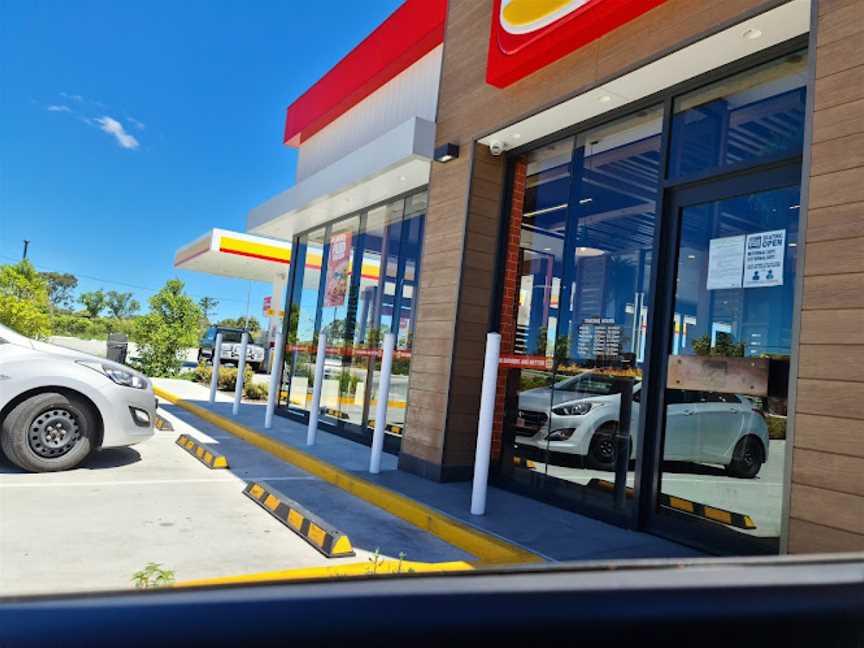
pixel 26 245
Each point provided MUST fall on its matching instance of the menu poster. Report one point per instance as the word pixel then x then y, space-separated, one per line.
pixel 725 262
pixel 337 269
pixel 763 264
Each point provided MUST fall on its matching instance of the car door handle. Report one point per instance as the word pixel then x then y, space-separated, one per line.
pixel 688 412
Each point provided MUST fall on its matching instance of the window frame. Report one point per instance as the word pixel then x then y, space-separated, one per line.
pixel 643 515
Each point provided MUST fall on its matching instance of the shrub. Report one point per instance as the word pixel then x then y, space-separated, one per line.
pixel 227 380
pixel 255 391
pixel 202 374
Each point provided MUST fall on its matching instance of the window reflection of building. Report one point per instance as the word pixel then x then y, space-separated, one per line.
pixel 588 223
pixel 381 279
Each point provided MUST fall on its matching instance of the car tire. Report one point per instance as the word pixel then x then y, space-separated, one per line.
pixel 747 458
pixel 49 432
pixel 602 452
pixel 255 367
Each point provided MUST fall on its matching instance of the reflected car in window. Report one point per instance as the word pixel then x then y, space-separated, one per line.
pixel 579 416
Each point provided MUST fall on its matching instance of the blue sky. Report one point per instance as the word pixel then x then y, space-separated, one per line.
pixel 129 129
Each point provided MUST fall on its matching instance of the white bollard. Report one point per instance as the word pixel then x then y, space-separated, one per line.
pixel 241 367
pixel 381 408
pixel 484 426
pixel 312 430
pixel 275 380
pixel 217 359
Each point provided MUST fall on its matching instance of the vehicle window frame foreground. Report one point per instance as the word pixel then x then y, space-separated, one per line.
pixel 752 601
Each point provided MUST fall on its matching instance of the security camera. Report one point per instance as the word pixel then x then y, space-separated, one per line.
pixel 496 147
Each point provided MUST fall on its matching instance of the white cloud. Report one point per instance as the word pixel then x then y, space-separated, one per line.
pixel 59 108
pixel 74 97
pixel 115 128
pixel 137 124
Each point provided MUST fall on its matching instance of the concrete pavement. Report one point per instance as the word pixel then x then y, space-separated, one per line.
pixel 92 528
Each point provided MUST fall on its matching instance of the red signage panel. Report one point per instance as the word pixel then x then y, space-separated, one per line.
pixel 527 35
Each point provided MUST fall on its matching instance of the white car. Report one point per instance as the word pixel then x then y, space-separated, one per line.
pixel 57 406
pixel 701 427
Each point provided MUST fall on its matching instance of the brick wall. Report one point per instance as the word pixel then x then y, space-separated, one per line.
pixel 510 298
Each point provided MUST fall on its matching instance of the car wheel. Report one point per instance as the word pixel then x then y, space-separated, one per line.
pixel 601 452
pixel 747 458
pixel 255 366
pixel 49 432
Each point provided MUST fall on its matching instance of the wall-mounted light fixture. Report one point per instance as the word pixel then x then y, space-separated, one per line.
pixel 446 152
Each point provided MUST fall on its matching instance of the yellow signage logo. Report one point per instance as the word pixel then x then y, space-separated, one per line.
pixel 526 16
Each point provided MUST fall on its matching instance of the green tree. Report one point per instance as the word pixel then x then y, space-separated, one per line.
pixel 121 305
pixel 93 302
pixel 60 287
pixel 240 322
pixel 724 345
pixel 167 330
pixel 24 301
pixel 207 306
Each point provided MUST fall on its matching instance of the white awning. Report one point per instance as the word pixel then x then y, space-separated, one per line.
pixel 397 162
pixel 235 254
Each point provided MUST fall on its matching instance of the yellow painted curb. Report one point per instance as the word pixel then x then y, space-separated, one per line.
pixel 348 570
pixel 487 548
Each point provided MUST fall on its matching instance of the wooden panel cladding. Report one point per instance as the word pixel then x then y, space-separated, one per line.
pixel 462 229
pixel 827 497
pixel 472 322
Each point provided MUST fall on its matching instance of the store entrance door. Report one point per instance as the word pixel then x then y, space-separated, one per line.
pixel 728 343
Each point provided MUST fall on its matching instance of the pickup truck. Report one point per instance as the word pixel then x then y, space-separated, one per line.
pixel 231 338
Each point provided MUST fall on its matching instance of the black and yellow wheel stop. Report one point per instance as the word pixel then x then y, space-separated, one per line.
pixel 318 533
pixel 392 428
pixel 730 518
pixel 163 424
pixel 202 453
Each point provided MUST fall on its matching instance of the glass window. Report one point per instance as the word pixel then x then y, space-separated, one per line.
pixel 724 445
pixel 380 255
pixel 585 254
pixel 753 115
pixel 302 339
pixel 338 300
pixel 356 279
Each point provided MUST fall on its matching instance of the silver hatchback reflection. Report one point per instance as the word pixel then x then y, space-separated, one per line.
pixel 579 416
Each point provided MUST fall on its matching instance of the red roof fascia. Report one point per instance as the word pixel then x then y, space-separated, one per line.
pixel 407 35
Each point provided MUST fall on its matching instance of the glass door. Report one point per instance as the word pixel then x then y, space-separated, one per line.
pixel 727 366
pixel 301 332
pixel 337 298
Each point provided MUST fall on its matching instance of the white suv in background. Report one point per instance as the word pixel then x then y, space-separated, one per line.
pixel 701 427
pixel 231 342
pixel 57 406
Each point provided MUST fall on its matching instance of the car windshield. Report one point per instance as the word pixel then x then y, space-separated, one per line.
pixel 596 384
pixel 232 336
